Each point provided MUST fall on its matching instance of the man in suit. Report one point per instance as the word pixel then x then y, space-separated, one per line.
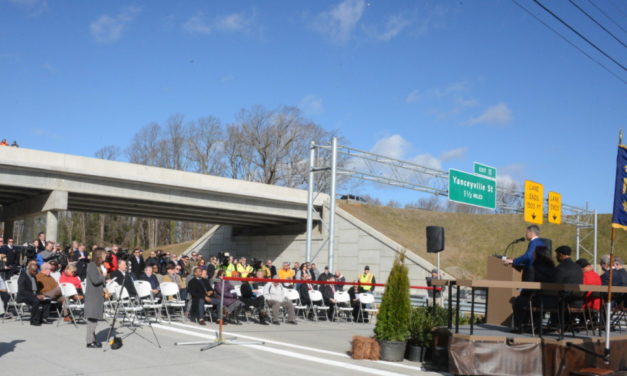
pixel 137 263
pixel 533 236
pixel 42 241
pixel 328 295
pixel 28 292
pixel 121 275
pixel 149 276
pixel 80 253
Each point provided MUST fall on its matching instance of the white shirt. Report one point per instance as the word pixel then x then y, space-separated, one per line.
pixel 272 292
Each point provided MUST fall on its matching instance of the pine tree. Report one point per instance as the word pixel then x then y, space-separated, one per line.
pixel 395 310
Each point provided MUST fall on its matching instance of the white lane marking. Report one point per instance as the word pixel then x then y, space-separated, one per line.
pixel 312 349
pixel 292 354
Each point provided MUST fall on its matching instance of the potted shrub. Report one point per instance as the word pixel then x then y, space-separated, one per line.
pixel 392 327
pixel 420 327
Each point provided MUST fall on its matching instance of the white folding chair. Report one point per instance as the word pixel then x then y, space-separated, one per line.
pixel 12 290
pixel 293 296
pixel 342 305
pixel 68 291
pixel 315 296
pixel 367 300
pixel 172 299
pixel 147 299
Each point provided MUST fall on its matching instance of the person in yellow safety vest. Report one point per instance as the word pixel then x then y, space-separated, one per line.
pixel 366 277
pixel 243 268
pixel 230 268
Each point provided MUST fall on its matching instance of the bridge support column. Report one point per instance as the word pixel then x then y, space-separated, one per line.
pixel 7 230
pixel 31 210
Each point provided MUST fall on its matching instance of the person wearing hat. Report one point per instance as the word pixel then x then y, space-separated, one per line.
pixel 436 292
pixel 366 277
pixel 568 272
pixel 590 277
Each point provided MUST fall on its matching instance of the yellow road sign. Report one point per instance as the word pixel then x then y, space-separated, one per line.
pixel 534 205
pixel 555 208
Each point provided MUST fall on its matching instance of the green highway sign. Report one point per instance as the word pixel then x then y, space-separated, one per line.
pixel 485 170
pixel 471 189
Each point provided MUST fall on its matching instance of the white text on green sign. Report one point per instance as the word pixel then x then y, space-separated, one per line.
pixel 484 170
pixel 471 189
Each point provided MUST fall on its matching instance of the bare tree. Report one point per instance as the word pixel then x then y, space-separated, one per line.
pixel 110 152
pixel 206 146
pixel 145 148
pixel 427 203
pixel 271 147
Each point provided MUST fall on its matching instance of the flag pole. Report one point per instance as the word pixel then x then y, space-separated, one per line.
pixel 606 354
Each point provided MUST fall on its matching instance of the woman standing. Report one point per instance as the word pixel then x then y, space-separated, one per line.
pixel 94 295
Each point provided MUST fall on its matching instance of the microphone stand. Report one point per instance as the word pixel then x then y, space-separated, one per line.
pixel 506 250
pixel 220 340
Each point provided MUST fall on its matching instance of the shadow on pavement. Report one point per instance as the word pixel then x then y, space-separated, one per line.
pixel 7 347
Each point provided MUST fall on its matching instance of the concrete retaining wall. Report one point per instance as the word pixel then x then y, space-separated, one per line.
pixel 356 245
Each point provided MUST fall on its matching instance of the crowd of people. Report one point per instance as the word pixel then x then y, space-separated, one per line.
pixel 41 266
pixel 4 142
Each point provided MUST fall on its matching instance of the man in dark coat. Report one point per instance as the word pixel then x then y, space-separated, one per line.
pixel 28 292
pixel 94 296
pixel 122 276
pixel 137 263
pixel 328 295
pixel 252 297
pixel 568 272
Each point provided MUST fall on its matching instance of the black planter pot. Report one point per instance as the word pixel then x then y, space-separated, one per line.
pixel 393 351
pixel 415 353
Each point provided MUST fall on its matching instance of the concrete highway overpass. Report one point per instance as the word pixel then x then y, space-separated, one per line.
pixel 35 182
pixel 254 219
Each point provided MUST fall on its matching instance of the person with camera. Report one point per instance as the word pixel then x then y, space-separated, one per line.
pixel 9 255
pixel 49 253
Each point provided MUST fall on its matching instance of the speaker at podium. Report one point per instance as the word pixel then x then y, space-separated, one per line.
pixel 499 310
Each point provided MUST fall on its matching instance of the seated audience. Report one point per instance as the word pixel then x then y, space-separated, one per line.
pixel 123 277
pixel 69 276
pixel 252 296
pixel 50 288
pixel 303 290
pixel 172 276
pixel 148 276
pixel 590 277
pixel 29 292
pixel 328 295
pixel 275 296
pixel 231 304
pixel 4 295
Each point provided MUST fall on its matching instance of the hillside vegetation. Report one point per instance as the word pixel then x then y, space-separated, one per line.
pixel 471 238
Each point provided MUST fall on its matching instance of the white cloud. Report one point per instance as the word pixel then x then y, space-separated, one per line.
pixel 311 105
pixel 393 27
pixel 394 146
pixel 427 160
pixel 44 133
pixel 499 114
pixel 454 154
pixel 413 96
pixel 339 22
pixel 108 29
pixel 197 25
pixel 230 23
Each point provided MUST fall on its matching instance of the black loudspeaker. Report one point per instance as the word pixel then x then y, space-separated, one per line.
pixel 435 239
pixel 548 243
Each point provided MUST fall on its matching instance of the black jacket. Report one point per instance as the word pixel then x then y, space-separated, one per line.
pixel 25 288
pixel 137 268
pixel 303 291
pixel 10 255
pixel 327 292
pixel 128 282
pixel 568 272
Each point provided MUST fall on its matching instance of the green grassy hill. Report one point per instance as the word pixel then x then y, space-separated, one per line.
pixel 471 238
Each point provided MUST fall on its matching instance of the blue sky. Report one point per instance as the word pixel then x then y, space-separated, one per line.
pixel 444 83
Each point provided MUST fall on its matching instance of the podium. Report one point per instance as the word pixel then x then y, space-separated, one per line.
pixel 499 310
